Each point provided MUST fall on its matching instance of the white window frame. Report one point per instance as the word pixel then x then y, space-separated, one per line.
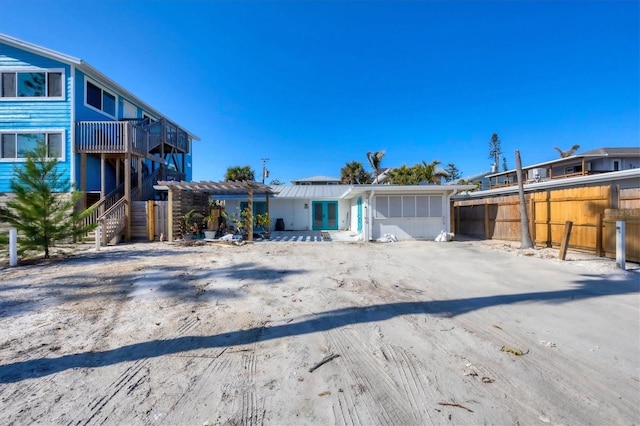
pixel 63 83
pixel 28 131
pixel 102 91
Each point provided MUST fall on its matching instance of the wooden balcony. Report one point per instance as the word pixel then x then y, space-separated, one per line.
pixel 130 137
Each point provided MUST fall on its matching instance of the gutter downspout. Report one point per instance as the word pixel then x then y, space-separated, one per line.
pixel 448 216
pixel 368 228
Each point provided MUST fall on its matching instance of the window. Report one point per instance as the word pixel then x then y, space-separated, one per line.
pixel 573 169
pixel 31 84
pixel 129 110
pixel 18 145
pixel 395 206
pixel 408 206
pixel 100 99
pixel 382 207
pixel 435 206
pixel 422 206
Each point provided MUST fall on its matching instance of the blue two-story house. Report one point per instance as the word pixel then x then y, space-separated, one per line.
pixel 112 145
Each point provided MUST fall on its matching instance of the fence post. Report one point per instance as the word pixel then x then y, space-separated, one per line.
pixel 565 240
pixel 620 244
pixel 98 237
pixel 151 220
pixel 13 247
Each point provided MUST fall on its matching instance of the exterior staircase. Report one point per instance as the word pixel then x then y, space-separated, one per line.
pixel 110 212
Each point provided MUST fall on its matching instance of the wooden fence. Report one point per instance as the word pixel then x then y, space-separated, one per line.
pixel 548 211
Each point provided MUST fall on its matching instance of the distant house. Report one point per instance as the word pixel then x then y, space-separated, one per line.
pixel 406 211
pixel 317 180
pixel 597 161
pixel 110 144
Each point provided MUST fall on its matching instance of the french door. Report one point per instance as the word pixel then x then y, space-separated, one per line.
pixel 325 215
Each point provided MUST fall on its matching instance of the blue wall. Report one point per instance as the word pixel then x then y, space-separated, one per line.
pixel 34 114
pixel 56 114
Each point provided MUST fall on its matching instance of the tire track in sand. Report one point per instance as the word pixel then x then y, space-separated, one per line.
pixel 107 402
pixel 246 407
pixel 372 382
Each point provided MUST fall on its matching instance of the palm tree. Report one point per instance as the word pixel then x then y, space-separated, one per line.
pixel 429 173
pixel 364 177
pixel 239 173
pixel 402 176
pixel 350 172
pixel 354 172
pixel 375 158
pixel 568 153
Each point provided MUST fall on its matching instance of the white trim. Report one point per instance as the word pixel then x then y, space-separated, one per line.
pixel 72 105
pixel 103 89
pixel 10 70
pixel 28 131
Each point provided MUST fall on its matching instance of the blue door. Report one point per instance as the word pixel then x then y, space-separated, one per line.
pixel 325 215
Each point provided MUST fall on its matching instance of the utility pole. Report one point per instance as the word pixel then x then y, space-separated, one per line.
pixel 524 218
pixel 265 172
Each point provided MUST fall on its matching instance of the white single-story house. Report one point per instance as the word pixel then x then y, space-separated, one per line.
pixel 405 211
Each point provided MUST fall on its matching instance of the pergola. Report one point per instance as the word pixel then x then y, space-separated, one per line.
pixel 175 189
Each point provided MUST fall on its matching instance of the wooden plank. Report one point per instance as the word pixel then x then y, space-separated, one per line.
pixel 151 220
pixel 532 218
pixel 486 220
pixel 599 250
pixel 565 240
pixel 496 217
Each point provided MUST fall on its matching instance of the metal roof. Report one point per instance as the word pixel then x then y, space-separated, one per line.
pixel 210 187
pixel 87 69
pixel 311 191
pixel 595 153
pixel 317 192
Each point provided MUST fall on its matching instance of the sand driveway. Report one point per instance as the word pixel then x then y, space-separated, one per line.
pixel 290 333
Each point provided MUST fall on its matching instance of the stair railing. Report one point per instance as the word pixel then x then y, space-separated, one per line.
pixel 113 221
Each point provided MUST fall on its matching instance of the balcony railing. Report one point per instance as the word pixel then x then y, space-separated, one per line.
pixel 112 137
pixel 123 137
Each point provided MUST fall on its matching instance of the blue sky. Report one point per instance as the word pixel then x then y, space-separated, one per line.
pixel 314 85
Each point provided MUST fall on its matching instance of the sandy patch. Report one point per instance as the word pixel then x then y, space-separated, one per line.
pixel 412 333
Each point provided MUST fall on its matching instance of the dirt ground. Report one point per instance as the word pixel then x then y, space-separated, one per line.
pixel 419 332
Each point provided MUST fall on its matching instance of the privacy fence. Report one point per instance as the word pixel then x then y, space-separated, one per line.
pixel 592 210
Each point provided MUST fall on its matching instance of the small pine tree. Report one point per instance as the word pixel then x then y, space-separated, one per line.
pixel 453 172
pixel 43 208
pixel 495 150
